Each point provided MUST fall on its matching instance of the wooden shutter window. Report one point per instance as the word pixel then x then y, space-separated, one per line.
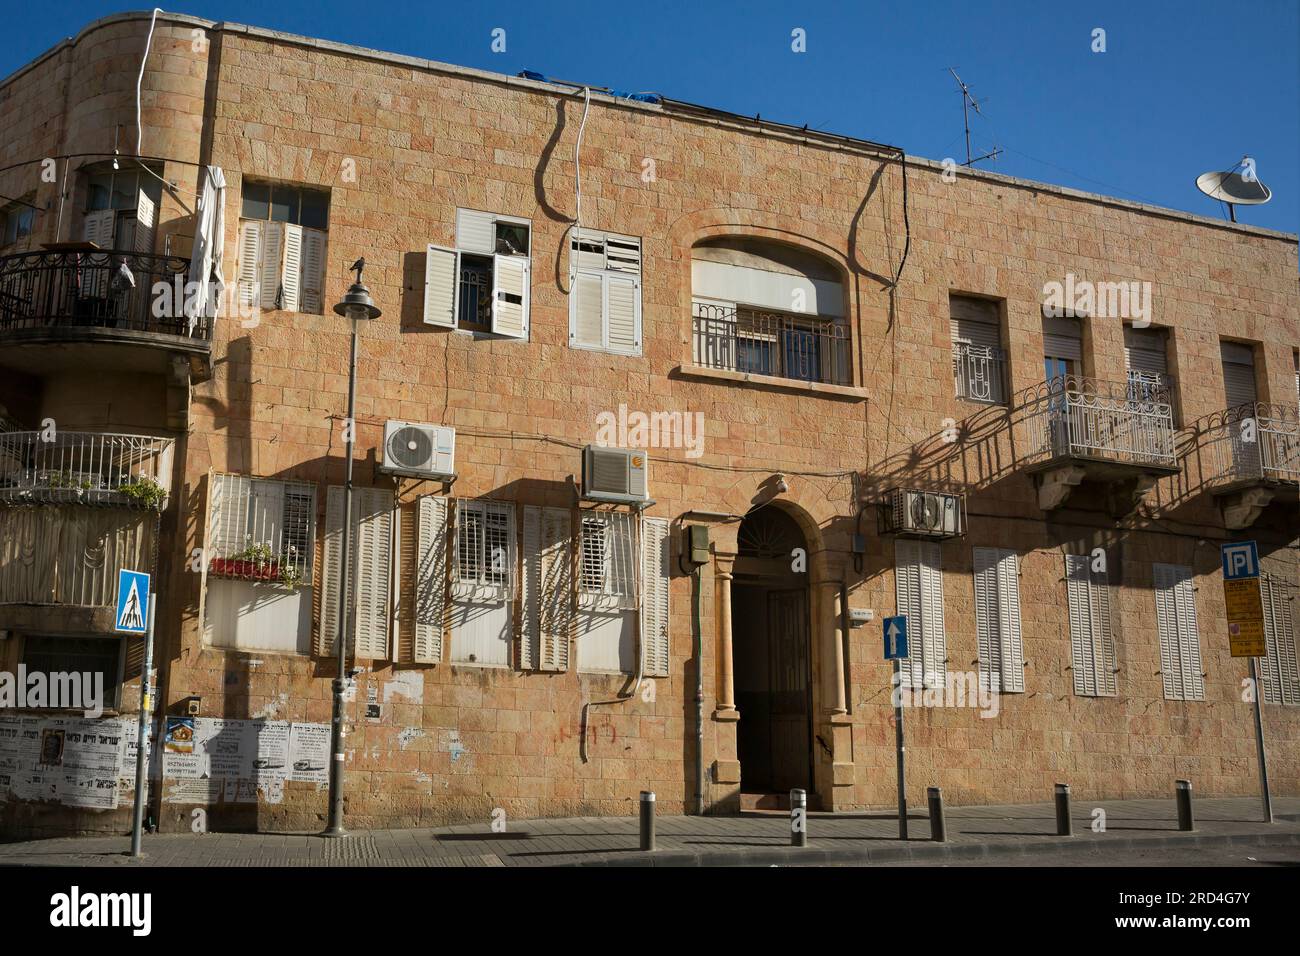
pixel 441 286
pixel 510 281
pixel 1180 642
pixel 269 274
pixel 250 263
pixel 369 582
pixel 1278 668
pixel 476 232
pixel 587 306
pixel 555 597
pixel 656 574
pixel 918 583
pixel 291 268
pixel 997 620
pixel 1092 647
pixel 430 579
pixel 313 271
pixel 146 221
pixel 622 308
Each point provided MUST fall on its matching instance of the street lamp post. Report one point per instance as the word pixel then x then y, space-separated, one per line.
pixel 356 306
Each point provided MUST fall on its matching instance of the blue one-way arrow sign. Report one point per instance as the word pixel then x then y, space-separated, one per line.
pixel 895 637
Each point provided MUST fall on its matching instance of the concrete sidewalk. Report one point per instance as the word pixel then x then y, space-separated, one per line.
pixel 992 833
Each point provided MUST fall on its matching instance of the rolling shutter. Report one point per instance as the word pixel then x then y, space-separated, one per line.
pixel 655 571
pixel 1092 647
pixel 1278 668
pixel 509 281
pixel 430 579
pixel 1180 642
pixel 997 620
pixel 974 322
pixel 555 590
pixel 269 266
pixel 146 221
pixel 918 584
pixel 1063 338
pixel 441 285
pixel 250 263
pixel 476 232
pixel 313 271
pixel 1238 374
pixel 1145 351
pixel 291 271
pixel 586 322
pixel 622 306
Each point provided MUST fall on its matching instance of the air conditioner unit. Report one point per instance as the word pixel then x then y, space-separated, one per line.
pixel 617 475
pixel 928 514
pixel 420 451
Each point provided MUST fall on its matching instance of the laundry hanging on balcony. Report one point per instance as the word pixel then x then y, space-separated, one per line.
pixel 206 277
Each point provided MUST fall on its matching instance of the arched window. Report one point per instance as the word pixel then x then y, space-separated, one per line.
pixel 767 308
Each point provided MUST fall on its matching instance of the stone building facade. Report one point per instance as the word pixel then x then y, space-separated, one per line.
pixel 846 325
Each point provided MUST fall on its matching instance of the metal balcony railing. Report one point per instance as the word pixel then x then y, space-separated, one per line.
pixel 804 348
pixel 980 373
pixel 104 289
pixel 85 467
pixel 1120 422
pixel 1253 442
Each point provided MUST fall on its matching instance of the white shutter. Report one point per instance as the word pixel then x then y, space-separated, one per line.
pixel 1278 668
pixel 1171 664
pixel 430 579
pixel 291 270
pixel 330 574
pixel 313 271
pixel 986 617
pixel 907 596
pixel 375 543
pixel 269 267
pixel 934 638
pixel 623 312
pixel 441 286
pixel 586 311
pixel 146 221
pixel 98 228
pixel 510 276
pixel 250 263
pixel 1238 374
pixel 655 576
pixel 1189 635
pixel 476 232
pixel 587 250
pixel 997 620
pixel 1063 338
pixel 623 254
pixel 1013 648
pixel 555 591
pixel 530 586
pixel 1092 643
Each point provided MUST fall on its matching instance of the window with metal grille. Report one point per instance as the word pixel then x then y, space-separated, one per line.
pixel 607 560
pixel 485 547
pixel 261 529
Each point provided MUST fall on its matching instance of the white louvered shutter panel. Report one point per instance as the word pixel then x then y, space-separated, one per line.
pixel 1145 351
pixel 1082 645
pixel 586 318
pixel 907 596
pixel 530 589
pixel 375 541
pixel 1171 663
pixel 476 232
pixel 330 573
pixel 654 595
pixel 98 228
pixel 1013 647
pixel 250 262
pixel 269 268
pixel 1063 338
pixel 1238 374
pixel 986 616
pixel 556 591
pixel 1105 637
pixel 623 254
pixel 291 272
pixel 441 282
pixel 313 271
pixel 510 278
pixel 430 579
pixel 146 222
pixel 623 308
pixel 1278 668
pixel 935 642
pixel 587 250
pixel 1189 635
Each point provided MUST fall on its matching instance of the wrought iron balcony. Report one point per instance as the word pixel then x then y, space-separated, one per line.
pixel 1257 442
pixel 86 468
pixel 1126 423
pixel 96 290
pixel 980 373
pixel 782 345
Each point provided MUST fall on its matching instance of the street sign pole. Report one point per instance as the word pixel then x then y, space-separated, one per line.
pixel 1259 744
pixel 142 734
pixel 898 744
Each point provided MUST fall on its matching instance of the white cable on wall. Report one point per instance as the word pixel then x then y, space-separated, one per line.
pixel 577 188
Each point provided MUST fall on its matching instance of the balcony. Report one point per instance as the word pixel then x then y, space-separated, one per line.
pixel 58 307
pixel 1251 457
pixel 980 373
pixel 770 345
pixel 88 468
pixel 1120 434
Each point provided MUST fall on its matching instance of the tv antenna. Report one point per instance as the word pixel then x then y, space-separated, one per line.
pixel 968 102
pixel 1238 186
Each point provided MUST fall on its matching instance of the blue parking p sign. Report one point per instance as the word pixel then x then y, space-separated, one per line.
pixel 1240 560
pixel 132 602
pixel 895 629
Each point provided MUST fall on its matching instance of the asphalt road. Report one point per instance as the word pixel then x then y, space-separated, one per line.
pixel 1202 856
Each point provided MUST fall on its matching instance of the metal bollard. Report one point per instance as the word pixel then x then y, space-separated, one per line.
pixel 1183 791
pixel 1064 825
pixel 798 818
pixel 647 820
pixel 938 833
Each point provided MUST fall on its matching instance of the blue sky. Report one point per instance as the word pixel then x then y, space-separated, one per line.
pixel 1184 86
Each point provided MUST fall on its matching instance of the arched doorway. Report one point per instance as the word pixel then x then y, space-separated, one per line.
pixel 772 654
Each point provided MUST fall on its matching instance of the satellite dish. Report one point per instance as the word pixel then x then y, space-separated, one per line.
pixel 1238 186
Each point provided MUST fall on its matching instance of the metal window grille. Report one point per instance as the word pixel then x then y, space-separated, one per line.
pixel 485 549
pixel 609 569
pixel 261 529
pixel 90 468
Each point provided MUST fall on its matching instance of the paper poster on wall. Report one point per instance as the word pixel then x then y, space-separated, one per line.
pixel 179 738
pixel 309 752
pixel 272 761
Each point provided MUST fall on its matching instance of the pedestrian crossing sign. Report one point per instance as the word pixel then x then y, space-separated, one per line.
pixel 132 602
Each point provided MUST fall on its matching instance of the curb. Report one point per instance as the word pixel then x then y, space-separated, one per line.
pixel 925 851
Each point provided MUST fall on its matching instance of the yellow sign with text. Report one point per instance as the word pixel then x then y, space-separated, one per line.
pixel 1245 617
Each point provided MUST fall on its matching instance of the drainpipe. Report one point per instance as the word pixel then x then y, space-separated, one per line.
pixel 699 694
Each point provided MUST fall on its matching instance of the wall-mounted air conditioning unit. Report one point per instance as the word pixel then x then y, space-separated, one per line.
pixel 618 475
pixel 924 514
pixel 419 451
